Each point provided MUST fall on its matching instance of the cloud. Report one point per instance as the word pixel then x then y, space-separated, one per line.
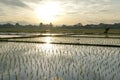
pixel 88 10
pixel 72 12
pixel 2 13
pixel 88 6
pixel 15 3
pixel 14 22
pixel 33 1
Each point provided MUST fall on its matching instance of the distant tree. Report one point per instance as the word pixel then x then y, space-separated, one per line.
pixel 41 24
pixel 79 24
pixel 64 26
pixel 8 25
pixel 116 25
pixel 102 25
pixel 51 25
pixel 17 24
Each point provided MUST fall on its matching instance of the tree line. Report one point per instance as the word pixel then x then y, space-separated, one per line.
pixel 75 26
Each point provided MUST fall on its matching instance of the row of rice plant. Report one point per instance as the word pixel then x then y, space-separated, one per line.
pixel 27 61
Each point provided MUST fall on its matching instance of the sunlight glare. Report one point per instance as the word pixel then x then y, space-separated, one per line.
pixel 48 11
pixel 47 44
pixel 47 39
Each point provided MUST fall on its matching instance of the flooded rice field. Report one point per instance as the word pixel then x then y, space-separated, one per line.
pixel 47 61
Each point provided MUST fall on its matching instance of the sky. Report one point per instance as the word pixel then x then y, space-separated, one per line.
pixel 60 11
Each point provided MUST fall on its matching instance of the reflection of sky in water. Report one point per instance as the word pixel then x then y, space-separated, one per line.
pixel 47 45
pixel 65 38
pixel 108 41
pixel 48 39
pixel 48 49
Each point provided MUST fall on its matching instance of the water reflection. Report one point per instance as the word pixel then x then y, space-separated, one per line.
pixel 47 46
pixel 48 40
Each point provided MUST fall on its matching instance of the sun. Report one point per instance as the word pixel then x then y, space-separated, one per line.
pixel 48 11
